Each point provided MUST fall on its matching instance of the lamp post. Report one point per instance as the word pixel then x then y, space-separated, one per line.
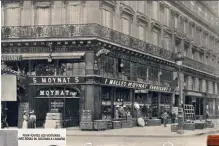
pixel 179 62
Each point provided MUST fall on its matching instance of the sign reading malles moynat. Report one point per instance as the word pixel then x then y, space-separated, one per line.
pixel 130 84
pixel 55 80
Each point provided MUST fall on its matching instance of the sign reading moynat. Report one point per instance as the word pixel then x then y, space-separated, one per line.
pixel 58 93
pixel 136 85
pixel 55 80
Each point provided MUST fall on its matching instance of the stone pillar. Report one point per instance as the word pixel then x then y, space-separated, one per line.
pixel 196 84
pixel 215 88
pixel 203 87
pixel 210 87
pixel 182 88
pixel 190 50
pixel 174 43
pixel 92 91
pixel 190 83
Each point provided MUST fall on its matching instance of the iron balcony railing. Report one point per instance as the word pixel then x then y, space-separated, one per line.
pixel 95 30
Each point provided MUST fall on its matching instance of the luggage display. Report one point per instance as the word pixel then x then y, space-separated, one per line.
pixel 117 125
pixel 100 124
pixel 189 126
pixel 86 125
pixel 153 122
pixel 53 120
pixel 199 125
pixel 174 127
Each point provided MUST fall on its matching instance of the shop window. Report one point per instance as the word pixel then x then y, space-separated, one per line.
pixel 153 73
pixel 106 65
pixel 156 38
pixel 107 97
pixel 166 75
pixel 141 72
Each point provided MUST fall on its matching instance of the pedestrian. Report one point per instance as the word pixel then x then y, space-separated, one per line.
pixel 32 120
pixel 165 116
pixel 25 120
pixel 4 118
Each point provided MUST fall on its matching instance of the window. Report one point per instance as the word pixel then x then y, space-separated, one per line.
pixel 185 27
pixel 12 14
pixel 167 17
pixel 176 21
pixel 142 6
pixel 42 14
pixel 107 18
pixel 155 10
pixel 141 33
pixel 126 26
pixel 167 42
pixel 193 54
pixel 206 15
pixel 155 38
pixel 74 13
pixel 202 57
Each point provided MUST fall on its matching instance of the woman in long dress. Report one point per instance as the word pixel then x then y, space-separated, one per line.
pixel 25 119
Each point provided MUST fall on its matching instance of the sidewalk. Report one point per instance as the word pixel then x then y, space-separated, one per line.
pixel 155 131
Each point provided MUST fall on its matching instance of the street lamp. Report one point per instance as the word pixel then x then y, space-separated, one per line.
pixel 179 62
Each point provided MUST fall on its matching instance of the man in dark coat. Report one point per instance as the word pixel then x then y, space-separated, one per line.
pixel 32 120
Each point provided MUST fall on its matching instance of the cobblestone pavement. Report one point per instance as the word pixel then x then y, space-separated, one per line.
pixel 135 141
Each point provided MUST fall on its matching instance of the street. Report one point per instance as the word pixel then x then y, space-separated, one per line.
pixel 136 141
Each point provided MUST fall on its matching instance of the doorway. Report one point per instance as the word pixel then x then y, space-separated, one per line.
pixel 12 113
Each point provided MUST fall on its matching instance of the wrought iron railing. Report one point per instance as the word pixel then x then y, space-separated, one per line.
pixel 94 30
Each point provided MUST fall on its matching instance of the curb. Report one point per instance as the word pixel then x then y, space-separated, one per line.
pixel 149 136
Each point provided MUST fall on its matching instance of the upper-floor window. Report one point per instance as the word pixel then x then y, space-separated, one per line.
pixel 126 25
pixel 156 37
pixel 74 12
pixel 167 17
pixel 155 13
pixel 185 30
pixel 142 7
pixel 206 15
pixel 12 17
pixel 142 32
pixel 167 41
pixel 43 13
pixel 107 18
pixel 193 54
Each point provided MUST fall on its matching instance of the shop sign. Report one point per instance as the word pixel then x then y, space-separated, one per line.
pixel 102 51
pixel 127 84
pixel 55 80
pixel 160 88
pixel 53 93
pixel 11 57
pixel 130 84
pixel 194 94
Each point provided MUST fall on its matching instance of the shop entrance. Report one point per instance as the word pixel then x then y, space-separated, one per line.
pixel 12 113
pixel 65 102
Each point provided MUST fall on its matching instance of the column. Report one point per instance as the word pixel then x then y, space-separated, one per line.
pixel 196 84
pixel 210 87
pixel 203 87
pixel 174 43
pixel 182 88
pixel 190 83
pixel 92 91
pixel 190 50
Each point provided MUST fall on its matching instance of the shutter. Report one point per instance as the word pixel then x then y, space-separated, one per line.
pixel 2 16
pixel 74 14
pixel 125 26
pixel 141 6
pixel 141 33
pixel 13 15
pixel 42 15
pixel 108 19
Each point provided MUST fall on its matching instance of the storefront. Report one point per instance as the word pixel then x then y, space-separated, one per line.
pixel 211 103
pixel 56 93
pixel 197 99
pixel 125 93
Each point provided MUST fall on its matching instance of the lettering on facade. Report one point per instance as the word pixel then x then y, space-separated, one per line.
pixel 68 93
pixel 136 85
pixel 55 80
pixel 159 88
pixel 11 57
pixel 125 83
pixel 102 51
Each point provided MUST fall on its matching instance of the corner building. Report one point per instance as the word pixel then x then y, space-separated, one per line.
pixel 94 55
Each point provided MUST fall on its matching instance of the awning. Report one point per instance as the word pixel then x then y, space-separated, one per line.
pixel 9 88
pixel 39 56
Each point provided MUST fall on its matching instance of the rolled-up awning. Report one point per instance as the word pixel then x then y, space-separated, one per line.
pixel 39 56
pixel 8 88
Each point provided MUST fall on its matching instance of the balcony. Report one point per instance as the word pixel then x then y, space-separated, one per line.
pixel 98 31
